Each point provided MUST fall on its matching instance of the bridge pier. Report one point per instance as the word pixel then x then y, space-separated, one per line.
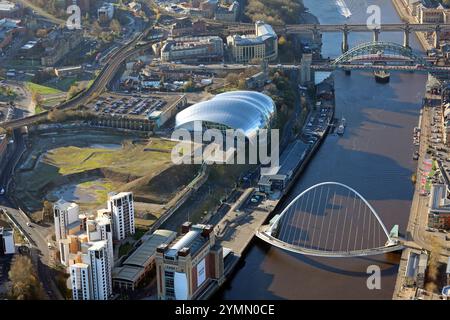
pixel 437 37
pixel 345 41
pixel 406 38
pixel 376 35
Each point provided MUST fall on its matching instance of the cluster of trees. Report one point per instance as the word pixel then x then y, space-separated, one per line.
pixel 283 94
pixel 115 28
pixel 38 101
pixel 432 283
pixel 25 283
pixel 41 77
pixel 238 80
pixel 54 7
pixel 274 11
pixel 235 80
pixel 74 90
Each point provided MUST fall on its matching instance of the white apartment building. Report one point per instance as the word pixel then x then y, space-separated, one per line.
pixel 65 214
pixel 101 229
pixel 262 45
pixel 106 12
pixel 80 277
pixel 7 245
pixel 121 207
pixel 91 275
pixel 100 265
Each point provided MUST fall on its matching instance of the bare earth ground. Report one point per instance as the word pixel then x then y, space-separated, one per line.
pixel 84 166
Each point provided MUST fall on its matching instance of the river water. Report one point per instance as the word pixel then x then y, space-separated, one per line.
pixel 374 156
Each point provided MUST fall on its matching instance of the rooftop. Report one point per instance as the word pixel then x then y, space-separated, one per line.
pixel 7 6
pixel 248 111
pixel 64 205
pixel 439 203
pixel 97 245
pixel 127 273
pixel 192 240
pixel 147 249
pixel 289 160
pixel 120 195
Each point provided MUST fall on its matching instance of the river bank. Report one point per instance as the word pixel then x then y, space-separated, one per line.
pixel 407 17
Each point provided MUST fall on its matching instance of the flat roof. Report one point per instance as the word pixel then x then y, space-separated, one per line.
pixel 127 273
pixel 147 249
pixel 120 195
pixel 96 245
pixel 7 6
pixel 438 200
pixel 134 266
pixel 65 205
pixel 192 240
pixel 289 160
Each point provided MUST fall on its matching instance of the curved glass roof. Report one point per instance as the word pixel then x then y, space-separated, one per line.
pixel 245 110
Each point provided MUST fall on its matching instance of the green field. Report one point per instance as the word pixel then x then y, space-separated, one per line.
pixel 131 159
pixel 42 90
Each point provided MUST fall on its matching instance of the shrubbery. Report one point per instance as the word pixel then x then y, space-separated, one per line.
pixel 275 12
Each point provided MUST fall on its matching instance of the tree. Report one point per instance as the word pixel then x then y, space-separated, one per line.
pixel 232 79
pixel 282 41
pixel 41 33
pixel 25 283
pixel 433 264
pixel 47 210
pixel 115 26
pixel 37 100
pixel 96 29
pixel 241 84
pixel 56 116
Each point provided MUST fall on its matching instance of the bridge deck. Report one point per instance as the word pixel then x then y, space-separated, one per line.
pixel 331 254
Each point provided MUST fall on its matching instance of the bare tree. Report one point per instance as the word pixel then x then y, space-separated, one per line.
pixel 25 283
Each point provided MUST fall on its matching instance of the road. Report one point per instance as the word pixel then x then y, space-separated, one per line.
pixel 302 28
pixel 418 221
pixel 37 234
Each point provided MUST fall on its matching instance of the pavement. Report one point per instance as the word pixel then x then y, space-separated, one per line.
pixel 417 233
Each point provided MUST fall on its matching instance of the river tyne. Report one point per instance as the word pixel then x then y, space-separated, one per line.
pixel 374 157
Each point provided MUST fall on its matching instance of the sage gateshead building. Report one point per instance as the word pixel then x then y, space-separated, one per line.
pixel 248 111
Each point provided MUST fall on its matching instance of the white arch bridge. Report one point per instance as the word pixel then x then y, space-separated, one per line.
pixel 330 219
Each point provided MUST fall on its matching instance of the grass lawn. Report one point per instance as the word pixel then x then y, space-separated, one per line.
pixel 38 109
pixel 132 159
pixel 42 90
